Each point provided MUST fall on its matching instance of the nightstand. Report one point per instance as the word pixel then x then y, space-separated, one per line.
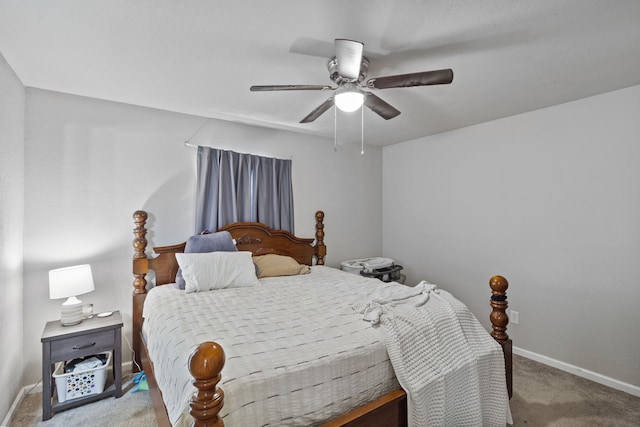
pixel 62 343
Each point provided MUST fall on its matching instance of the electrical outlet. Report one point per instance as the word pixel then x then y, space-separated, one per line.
pixel 514 317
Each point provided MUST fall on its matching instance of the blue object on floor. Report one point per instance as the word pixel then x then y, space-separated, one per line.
pixel 140 381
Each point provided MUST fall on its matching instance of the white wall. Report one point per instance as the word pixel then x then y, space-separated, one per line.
pixel 550 199
pixel 89 164
pixel 12 103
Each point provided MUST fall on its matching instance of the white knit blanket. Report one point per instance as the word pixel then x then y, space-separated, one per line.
pixel 462 381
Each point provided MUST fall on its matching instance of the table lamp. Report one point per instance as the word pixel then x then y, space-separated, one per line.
pixel 67 283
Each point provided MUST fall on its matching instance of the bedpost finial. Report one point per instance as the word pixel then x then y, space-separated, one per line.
pixel 139 241
pixel 140 216
pixel 207 360
pixel 499 321
pixel 140 263
pixel 499 304
pixel 321 249
pixel 499 284
pixel 205 364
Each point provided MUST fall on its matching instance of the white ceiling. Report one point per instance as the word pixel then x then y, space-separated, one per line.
pixel 200 56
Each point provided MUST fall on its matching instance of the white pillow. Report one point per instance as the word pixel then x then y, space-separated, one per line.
pixel 217 270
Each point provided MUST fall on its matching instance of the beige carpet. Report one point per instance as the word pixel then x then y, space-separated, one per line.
pixel 543 396
pixel 130 410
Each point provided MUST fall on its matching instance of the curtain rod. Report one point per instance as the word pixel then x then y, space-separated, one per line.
pixel 187 142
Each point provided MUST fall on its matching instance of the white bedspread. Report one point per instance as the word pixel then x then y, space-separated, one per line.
pixel 299 354
pixel 462 380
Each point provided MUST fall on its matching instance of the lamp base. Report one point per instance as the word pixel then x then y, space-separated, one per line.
pixel 71 312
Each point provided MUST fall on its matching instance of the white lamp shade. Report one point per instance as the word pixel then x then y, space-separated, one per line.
pixel 70 281
pixel 349 101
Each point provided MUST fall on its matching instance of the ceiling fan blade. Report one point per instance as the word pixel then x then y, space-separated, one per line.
pixel 380 107
pixel 348 57
pixel 437 77
pixel 288 87
pixel 318 111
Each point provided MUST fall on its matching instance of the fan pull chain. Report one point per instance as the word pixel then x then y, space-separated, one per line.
pixel 362 131
pixel 335 127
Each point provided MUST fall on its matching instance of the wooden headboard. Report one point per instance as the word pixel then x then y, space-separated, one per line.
pixel 255 237
pixel 249 236
pixel 261 240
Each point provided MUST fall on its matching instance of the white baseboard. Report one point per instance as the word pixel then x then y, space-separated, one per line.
pixel 14 407
pixel 37 388
pixel 576 370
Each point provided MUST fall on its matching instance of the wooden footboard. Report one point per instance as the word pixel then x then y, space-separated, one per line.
pixel 206 362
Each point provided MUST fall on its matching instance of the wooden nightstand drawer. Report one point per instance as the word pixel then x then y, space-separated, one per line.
pixel 70 348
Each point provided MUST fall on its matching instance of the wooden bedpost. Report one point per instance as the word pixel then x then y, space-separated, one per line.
pixel 320 246
pixel 139 250
pixel 205 364
pixel 499 322
pixel 140 269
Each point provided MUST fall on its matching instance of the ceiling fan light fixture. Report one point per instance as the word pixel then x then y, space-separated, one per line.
pixel 349 100
pixel 348 69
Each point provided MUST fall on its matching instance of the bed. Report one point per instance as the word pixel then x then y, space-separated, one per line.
pixel 381 403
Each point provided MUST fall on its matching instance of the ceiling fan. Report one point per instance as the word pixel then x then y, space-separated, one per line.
pixel 348 69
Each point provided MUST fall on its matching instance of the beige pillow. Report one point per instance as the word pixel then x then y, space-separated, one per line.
pixel 272 265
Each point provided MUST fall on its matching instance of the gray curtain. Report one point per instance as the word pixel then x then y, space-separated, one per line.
pixel 234 187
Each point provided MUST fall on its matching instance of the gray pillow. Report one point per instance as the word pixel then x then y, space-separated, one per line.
pixel 209 242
